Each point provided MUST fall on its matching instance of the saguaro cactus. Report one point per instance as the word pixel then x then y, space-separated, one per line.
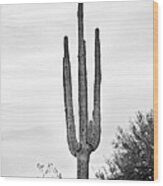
pixel 89 131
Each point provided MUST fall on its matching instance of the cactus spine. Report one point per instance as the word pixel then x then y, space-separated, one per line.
pixel 89 131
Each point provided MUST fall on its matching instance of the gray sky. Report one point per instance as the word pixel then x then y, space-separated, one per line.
pixel 32 113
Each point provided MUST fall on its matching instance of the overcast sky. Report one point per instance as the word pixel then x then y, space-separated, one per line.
pixel 32 109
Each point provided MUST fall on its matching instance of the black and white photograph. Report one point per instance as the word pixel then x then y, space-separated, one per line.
pixel 77 90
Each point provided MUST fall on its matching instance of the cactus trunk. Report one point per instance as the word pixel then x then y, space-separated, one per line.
pixel 89 131
pixel 83 165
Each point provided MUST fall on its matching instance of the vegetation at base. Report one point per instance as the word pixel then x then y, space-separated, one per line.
pixel 133 156
pixel 48 171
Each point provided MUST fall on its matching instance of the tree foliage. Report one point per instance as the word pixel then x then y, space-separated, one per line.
pixel 48 171
pixel 133 157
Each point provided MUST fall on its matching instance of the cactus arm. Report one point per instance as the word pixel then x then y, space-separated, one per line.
pixel 97 84
pixel 94 128
pixel 74 146
pixel 93 135
pixel 82 78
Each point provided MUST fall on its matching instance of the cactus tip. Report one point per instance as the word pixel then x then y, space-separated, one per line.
pixel 80 5
pixel 65 38
pixel 80 10
pixel 66 41
pixel 65 46
pixel 97 31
